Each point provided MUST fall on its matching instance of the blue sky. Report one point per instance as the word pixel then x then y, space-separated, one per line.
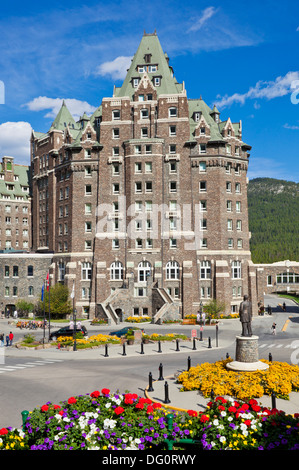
pixel 243 56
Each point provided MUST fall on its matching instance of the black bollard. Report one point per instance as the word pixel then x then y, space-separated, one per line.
pixel 194 345
pixel 124 349
pixel 161 372
pixel 209 342
pixel 177 345
pixel 150 382
pixel 270 357
pixel 189 363
pixel 142 351
pixel 159 350
pixel 227 355
pixel 273 400
pixel 106 350
pixel 200 335
pixel 166 393
pixel 212 394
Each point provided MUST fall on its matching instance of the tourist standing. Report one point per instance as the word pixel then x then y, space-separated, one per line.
pixel 274 329
pixel 10 338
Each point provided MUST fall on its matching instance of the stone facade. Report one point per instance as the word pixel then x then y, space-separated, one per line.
pixel 22 277
pixel 144 204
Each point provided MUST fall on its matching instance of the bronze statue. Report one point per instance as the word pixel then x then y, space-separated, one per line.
pixel 245 312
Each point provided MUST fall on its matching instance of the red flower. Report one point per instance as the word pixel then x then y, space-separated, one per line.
pixel 149 409
pixel 139 406
pixel 237 404
pixel 256 408
pixel 157 405
pixel 192 413
pixel 244 407
pixel 44 408
pixel 252 402
pixel 204 418
pixel 128 401
pixel 247 422
pixel 119 410
pixel 95 394
pixel 3 431
pixel 232 409
pixel 56 407
pixel 221 407
pixel 61 412
pixel 72 401
pixel 105 391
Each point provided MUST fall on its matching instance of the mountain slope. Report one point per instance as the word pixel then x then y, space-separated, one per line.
pixel 273 211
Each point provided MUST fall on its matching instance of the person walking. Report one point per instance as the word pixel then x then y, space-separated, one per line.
pixel 10 338
pixel 1 340
pixel 7 340
pixel 274 329
pixel 203 316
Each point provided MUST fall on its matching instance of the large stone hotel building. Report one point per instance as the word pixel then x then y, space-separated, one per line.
pixel 143 205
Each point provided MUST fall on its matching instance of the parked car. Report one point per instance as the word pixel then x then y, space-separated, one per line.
pixel 124 331
pixel 67 331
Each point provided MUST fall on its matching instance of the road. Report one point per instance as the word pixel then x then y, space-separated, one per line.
pixel 29 380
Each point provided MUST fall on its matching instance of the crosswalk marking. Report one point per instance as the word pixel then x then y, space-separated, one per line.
pixel 26 365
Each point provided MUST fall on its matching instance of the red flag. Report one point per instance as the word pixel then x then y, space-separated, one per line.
pixel 47 282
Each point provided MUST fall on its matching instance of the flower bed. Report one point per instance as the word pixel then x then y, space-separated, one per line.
pixel 91 341
pixel 280 378
pixel 138 319
pixel 114 421
pixel 167 337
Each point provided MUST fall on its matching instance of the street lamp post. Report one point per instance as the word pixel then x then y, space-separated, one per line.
pixel 74 331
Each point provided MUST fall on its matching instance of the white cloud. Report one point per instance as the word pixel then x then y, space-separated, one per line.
pixel 289 126
pixel 204 17
pixel 76 107
pixel 116 68
pixel 15 141
pixel 281 86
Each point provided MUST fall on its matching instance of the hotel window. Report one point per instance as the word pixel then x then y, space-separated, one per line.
pixel 240 243
pixel 138 187
pixel 30 290
pixel 138 167
pixel 236 269
pixel 149 97
pixel 148 167
pixel 115 133
pixel 172 223
pixel 202 131
pixel 138 206
pixel 115 244
pixel 135 82
pixel 115 169
pixel 197 116
pixel 144 113
pixel 15 271
pixel 115 188
pixel 87 226
pixel 238 187
pixel 141 68
pixel 203 243
pixel 229 206
pixel 148 187
pixel 87 153
pixel 269 280
pixel 157 81
pixel 87 189
pixel 116 114
pixel 115 151
pixel 137 149
pixel 116 225
pixel 172 270
pixel 172 130
pixel 115 206
pixel 237 153
pixel 172 148
pixel 140 97
pixel 87 245
pixel 172 112
pixel 152 68
pixel 88 208
pixel 30 271
pixel 172 167
pixel 228 149
pixel 239 225
pixel 173 186
pixel 238 206
pixel 87 171
pixel 205 270
pixel 202 148
pixel 148 206
pixel 149 243
pixel 86 271
pixel 148 149
pixel 172 243
pixel 202 186
pixel 202 167
pixel 230 243
pixel 203 224
pixel 228 168
pixel 203 206
pixel 228 187
pixel 229 224
pixel 144 132
pixel 138 243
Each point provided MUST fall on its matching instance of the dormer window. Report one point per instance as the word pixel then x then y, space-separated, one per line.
pixel 157 81
pixel 197 116
pixel 144 113
pixel 135 82
pixel 141 68
pixel 152 68
pixel 147 58
pixel 202 131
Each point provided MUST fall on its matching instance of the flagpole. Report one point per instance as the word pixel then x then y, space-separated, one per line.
pixel 48 286
pixel 44 327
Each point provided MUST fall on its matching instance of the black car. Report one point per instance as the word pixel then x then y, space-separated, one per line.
pixel 67 331
pixel 124 331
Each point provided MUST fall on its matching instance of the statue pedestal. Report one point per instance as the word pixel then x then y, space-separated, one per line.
pixel 247 355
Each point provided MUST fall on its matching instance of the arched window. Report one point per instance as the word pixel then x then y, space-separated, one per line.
pixel 30 270
pixel 144 270
pixel 116 271
pixel 172 270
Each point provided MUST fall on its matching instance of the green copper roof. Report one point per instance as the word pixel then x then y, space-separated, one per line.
pixel 198 105
pixel 64 119
pixel 22 181
pixel 150 44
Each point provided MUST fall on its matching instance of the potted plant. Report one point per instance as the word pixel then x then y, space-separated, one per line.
pixel 130 339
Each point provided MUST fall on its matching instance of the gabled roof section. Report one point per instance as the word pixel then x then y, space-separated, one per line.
pixel 150 53
pixel 64 119
pixel 199 106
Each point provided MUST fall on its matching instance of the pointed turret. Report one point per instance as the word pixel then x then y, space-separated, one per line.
pixel 63 119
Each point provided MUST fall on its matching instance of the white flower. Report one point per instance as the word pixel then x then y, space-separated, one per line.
pixel 215 422
pixel 223 413
pixel 222 439
pixel 108 405
pixel 230 418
